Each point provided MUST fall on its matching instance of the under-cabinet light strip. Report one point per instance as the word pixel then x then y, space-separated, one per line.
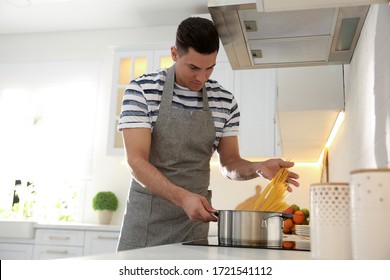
pixel 338 123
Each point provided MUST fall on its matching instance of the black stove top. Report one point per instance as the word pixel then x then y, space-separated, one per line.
pixel 286 245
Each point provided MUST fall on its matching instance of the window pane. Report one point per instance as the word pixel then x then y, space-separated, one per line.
pixel 140 66
pixel 166 62
pixel 125 70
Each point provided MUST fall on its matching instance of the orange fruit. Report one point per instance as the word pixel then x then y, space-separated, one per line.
pixel 288 223
pixel 298 217
pixel 288 244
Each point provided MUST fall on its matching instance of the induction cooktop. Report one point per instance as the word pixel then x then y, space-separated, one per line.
pixel 291 244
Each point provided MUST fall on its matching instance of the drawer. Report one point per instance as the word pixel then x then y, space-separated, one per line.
pixel 59 237
pixel 100 242
pixel 47 252
pixel 15 251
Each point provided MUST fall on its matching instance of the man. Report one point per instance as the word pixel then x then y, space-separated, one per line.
pixel 172 121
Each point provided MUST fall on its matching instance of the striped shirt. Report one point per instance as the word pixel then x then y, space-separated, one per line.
pixel 141 103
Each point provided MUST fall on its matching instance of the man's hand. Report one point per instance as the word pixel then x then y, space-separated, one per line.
pixel 237 168
pixel 198 208
pixel 269 168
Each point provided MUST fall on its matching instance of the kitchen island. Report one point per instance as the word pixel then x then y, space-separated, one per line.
pixel 179 251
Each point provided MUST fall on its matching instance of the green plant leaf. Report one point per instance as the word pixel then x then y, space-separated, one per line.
pixel 105 201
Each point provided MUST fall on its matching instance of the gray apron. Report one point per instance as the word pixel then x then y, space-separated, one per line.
pixel 181 149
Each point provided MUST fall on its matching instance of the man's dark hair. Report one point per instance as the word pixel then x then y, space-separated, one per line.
pixel 199 34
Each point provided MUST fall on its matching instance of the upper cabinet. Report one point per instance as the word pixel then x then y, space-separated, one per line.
pixel 309 101
pixel 129 64
pixel 256 91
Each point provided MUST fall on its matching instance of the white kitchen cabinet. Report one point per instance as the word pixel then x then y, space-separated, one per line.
pixel 16 251
pixel 57 241
pixel 59 237
pixel 53 244
pixel 100 242
pixel 224 75
pixel 310 88
pixel 48 252
pixel 309 101
pixel 129 64
pixel 256 91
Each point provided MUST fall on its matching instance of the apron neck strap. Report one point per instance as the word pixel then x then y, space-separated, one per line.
pixel 167 94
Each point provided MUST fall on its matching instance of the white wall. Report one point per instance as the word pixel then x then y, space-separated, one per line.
pixel 364 139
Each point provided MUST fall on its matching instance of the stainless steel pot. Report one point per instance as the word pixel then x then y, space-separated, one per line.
pixel 250 228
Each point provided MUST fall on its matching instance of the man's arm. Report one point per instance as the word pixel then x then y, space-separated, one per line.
pixel 237 168
pixel 137 144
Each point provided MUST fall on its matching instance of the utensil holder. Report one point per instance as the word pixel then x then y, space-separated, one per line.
pixel 370 208
pixel 330 228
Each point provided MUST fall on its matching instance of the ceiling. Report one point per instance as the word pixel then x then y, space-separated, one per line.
pixel 31 16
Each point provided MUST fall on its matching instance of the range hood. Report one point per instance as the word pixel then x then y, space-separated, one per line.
pixel 284 33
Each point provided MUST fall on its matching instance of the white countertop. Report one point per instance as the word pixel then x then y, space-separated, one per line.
pixel 189 252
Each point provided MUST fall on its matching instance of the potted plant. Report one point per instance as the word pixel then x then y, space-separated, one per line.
pixel 106 203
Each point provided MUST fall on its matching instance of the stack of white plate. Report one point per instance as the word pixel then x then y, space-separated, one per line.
pixel 302 230
pixel 303 233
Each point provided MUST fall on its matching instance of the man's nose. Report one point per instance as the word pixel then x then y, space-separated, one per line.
pixel 202 76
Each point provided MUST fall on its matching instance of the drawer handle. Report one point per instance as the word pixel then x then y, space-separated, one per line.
pixel 107 237
pixel 59 237
pixel 63 252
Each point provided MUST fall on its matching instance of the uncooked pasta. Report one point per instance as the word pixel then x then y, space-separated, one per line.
pixel 272 198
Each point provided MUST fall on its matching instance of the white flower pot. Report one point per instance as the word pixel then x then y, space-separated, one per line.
pixel 105 216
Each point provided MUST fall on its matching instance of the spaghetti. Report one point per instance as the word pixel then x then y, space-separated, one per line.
pixel 272 198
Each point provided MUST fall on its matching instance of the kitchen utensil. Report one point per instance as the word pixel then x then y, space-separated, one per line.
pixel 370 205
pixel 250 228
pixel 330 228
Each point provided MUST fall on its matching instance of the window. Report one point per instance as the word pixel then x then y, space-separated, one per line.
pixel 47 124
pixel 127 66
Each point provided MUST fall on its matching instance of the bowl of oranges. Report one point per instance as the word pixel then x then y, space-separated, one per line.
pixel 300 217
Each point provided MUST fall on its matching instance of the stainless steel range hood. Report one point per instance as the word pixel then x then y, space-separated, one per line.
pixel 300 36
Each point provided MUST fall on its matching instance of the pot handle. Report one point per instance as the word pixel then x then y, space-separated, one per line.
pixel 282 215
pixel 286 216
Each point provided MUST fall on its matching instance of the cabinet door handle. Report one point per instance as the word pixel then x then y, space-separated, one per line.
pixel 107 237
pixel 63 252
pixel 59 237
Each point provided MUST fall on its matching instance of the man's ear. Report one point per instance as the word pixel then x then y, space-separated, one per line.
pixel 174 53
